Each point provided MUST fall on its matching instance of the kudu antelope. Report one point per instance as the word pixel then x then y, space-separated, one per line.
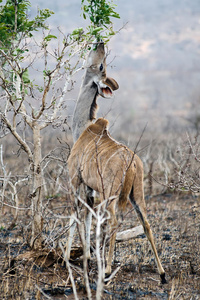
pixel 116 173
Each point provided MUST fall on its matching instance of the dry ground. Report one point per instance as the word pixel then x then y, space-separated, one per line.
pixel 175 220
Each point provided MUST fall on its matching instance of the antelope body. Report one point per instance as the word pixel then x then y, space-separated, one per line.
pixel 110 168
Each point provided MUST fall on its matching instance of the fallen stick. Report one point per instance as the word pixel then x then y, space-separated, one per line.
pixel 129 234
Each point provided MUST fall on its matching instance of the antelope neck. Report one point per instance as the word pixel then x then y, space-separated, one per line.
pixel 85 109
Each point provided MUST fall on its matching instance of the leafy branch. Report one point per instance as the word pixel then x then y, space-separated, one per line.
pixel 100 13
pixel 15 24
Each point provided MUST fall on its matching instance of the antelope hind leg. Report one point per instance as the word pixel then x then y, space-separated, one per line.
pixel 149 235
pixel 148 232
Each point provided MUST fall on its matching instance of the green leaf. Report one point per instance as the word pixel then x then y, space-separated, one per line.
pixel 50 37
pixel 77 31
pixel 25 76
pixel 96 30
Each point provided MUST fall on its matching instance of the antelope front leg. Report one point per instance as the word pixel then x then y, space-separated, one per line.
pixel 113 225
pixel 110 254
pixel 72 225
pixel 88 219
pixel 88 229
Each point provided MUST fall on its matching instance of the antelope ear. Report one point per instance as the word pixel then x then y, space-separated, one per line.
pixel 112 83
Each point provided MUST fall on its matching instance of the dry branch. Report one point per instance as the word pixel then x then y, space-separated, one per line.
pixel 129 233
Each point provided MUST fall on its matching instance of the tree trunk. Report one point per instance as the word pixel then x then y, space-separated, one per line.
pixel 37 223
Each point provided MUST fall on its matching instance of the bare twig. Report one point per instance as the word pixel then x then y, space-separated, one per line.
pixel 70 271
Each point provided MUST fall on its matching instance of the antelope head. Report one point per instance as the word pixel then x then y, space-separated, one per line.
pixel 96 71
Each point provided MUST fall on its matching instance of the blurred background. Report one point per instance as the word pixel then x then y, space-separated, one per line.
pixel 155 58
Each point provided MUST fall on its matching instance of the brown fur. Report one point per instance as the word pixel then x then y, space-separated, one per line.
pixel 110 168
pixel 105 165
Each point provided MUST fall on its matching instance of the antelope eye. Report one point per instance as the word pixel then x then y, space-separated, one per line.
pixel 101 67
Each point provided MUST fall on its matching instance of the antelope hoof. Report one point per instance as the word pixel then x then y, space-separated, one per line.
pixel 88 257
pixel 107 275
pixel 108 271
pixel 89 262
pixel 162 277
pixel 107 278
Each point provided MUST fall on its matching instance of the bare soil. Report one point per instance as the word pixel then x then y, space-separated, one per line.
pixel 175 221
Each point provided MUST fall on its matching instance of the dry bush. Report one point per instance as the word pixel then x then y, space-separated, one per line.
pixel 173 165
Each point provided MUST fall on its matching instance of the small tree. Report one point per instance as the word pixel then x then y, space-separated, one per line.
pixel 36 104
